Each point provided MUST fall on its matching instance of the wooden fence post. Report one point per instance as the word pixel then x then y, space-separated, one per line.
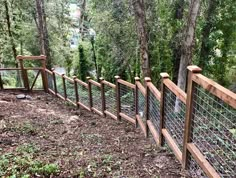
pixel 118 98
pixel 54 81
pixel 162 109
pixel 137 79
pixel 76 91
pixel 188 117
pixel 43 72
pixel 24 73
pixel 1 83
pixel 90 93
pixel 103 96
pixel 147 80
pixel 64 85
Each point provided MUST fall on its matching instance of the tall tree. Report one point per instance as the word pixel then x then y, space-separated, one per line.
pixel 188 43
pixel 139 11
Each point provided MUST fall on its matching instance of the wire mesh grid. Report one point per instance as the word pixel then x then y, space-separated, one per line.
pixel 59 83
pixel 141 105
pixel 127 100
pixel 96 97
pixel 214 128
pixel 110 98
pixel 154 111
pixel 174 114
pixel 50 81
pixel 11 78
pixel 83 94
pixel 70 90
pixel 195 170
pixel 32 74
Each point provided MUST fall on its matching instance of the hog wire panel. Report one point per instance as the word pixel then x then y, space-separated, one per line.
pixel 12 79
pixel 96 97
pixel 31 77
pixel 83 94
pixel 59 83
pixel 127 100
pixel 174 114
pixel 195 170
pixel 141 105
pixel 214 131
pixel 154 111
pixel 70 90
pixel 110 98
pixel 50 81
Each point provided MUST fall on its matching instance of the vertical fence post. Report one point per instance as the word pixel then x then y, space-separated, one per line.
pixel 43 72
pixel 118 97
pixel 137 79
pixel 64 85
pixel 76 91
pixel 54 81
pixel 147 80
pixel 1 83
pixel 189 114
pixel 24 73
pixel 103 96
pixel 164 76
pixel 90 93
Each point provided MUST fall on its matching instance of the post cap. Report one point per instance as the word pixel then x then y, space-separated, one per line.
pixel 147 79
pixel 164 75
pixel 194 68
pixel 52 69
pixel 117 77
pixel 88 78
pixel 74 77
pixel 136 78
pixel 101 78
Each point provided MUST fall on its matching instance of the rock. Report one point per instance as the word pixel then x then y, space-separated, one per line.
pixel 28 97
pixel 21 96
pixel 2 124
pixel 72 119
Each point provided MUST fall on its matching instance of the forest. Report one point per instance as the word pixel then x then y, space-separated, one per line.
pixel 128 38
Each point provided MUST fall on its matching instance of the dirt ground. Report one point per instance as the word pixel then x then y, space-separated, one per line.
pixel 81 143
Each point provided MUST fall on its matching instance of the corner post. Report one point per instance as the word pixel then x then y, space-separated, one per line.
pixel 43 73
pixel 147 80
pixel 164 76
pixel 192 70
pixel 64 85
pixel 103 96
pixel 90 93
pixel 76 91
pixel 24 73
pixel 54 81
pixel 137 79
pixel 118 97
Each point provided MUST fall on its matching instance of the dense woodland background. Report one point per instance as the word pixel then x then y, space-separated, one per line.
pixel 124 37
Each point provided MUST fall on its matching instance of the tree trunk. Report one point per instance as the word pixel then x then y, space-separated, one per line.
pixel 206 31
pixel 81 23
pixel 139 11
pixel 188 43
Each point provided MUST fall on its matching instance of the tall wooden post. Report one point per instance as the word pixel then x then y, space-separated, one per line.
pixel 76 91
pixel 147 80
pixel 137 79
pixel 64 85
pixel 162 109
pixel 43 72
pixel 118 98
pixel 24 73
pixel 192 70
pixel 90 93
pixel 54 81
pixel 1 83
pixel 103 96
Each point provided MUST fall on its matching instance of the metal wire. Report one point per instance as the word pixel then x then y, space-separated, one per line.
pixel 83 94
pixel 174 118
pixel 96 96
pixel 195 170
pixel 50 81
pixel 31 77
pixel 12 79
pixel 141 105
pixel 154 111
pixel 110 98
pixel 213 126
pixel 70 90
pixel 59 83
pixel 127 99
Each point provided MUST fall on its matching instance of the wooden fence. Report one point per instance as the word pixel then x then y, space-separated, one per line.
pixel 198 126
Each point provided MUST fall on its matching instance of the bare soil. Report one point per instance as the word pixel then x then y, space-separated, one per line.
pixel 82 143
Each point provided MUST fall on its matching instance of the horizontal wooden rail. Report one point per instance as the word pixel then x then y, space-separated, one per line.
pixel 141 88
pixel 154 91
pixel 110 114
pixel 153 131
pixel 81 83
pixel 97 111
pixel 176 90
pixel 201 160
pixel 85 107
pixel 57 73
pixel 142 126
pixel 68 78
pixel 48 71
pixel 224 94
pixel 26 68
pixel 95 83
pixel 70 101
pixel 172 144
pixel 130 85
pixel 127 118
pixel 42 57
pixel 109 84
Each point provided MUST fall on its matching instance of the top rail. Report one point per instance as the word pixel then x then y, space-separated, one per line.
pixel 81 83
pixel 109 84
pixel 154 90
pixel 141 88
pixel 95 83
pixel 126 83
pixel 42 57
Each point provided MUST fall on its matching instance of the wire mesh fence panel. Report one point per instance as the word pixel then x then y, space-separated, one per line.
pixel 127 99
pixel 50 81
pixel 11 79
pixel 141 105
pixel 214 131
pixel 96 97
pixel 59 83
pixel 174 116
pixel 83 94
pixel 110 98
pixel 154 111
pixel 32 74
pixel 70 90
pixel 195 170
